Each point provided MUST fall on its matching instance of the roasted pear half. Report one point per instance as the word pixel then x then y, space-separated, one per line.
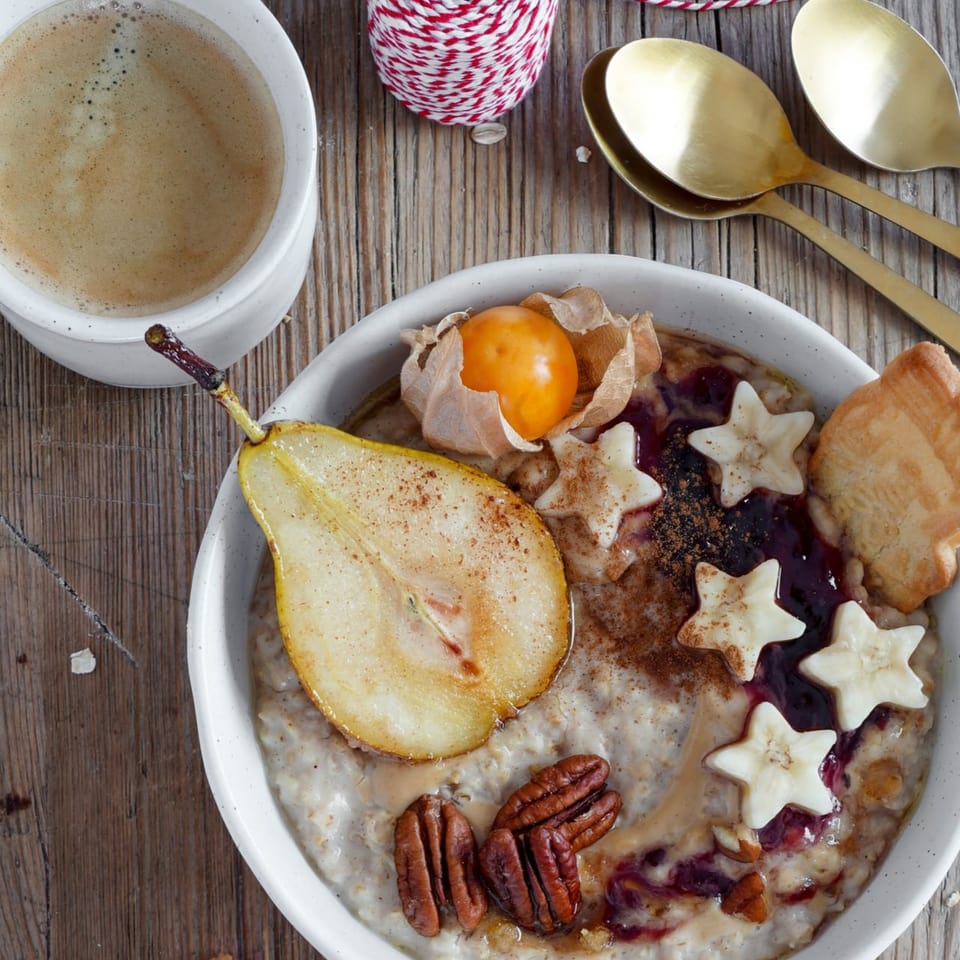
pixel 421 602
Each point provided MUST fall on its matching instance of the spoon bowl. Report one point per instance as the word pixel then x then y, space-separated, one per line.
pixel 632 167
pixel 877 85
pixel 641 176
pixel 716 129
pixel 702 119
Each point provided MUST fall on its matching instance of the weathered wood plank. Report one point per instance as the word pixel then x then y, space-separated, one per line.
pixel 110 845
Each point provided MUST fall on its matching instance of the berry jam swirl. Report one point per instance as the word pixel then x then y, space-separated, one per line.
pixel 649 894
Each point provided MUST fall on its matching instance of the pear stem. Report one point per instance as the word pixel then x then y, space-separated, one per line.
pixel 165 342
pixel 230 402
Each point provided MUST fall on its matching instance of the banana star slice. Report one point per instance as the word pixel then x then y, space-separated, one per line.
pixel 599 481
pixel 754 448
pixel 739 616
pixel 865 666
pixel 776 766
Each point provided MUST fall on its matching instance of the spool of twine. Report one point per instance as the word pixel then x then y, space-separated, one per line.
pixel 460 61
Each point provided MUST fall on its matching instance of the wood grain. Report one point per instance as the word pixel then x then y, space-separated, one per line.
pixel 110 844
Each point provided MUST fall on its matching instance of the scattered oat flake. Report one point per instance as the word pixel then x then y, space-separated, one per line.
pixel 488 133
pixel 954 899
pixel 584 154
pixel 83 661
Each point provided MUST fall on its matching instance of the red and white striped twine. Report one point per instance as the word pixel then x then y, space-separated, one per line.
pixel 470 61
pixel 460 61
pixel 696 5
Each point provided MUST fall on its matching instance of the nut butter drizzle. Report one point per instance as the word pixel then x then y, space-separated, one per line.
pixel 679 813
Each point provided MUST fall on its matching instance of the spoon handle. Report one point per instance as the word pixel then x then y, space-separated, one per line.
pixel 934 316
pixel 939 232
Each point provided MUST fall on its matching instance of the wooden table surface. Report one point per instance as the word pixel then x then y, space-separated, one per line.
pixel 110 843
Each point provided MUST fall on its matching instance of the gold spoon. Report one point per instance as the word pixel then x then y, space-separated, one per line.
pixel 714 127
pixel 662 192
pixel 877 85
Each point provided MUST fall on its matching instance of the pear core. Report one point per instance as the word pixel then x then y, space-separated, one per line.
pixel 421 602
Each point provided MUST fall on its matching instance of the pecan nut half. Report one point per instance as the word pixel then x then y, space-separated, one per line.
pixel 747 899
pixel 571 794
pixel 738 843
pixel 435 853
pixel 532 877
pixel 593 822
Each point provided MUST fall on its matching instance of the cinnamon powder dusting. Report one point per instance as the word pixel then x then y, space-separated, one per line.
pixel 642 612
pixel 636 622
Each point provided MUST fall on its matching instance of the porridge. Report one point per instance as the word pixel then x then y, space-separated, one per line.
pixel 703 621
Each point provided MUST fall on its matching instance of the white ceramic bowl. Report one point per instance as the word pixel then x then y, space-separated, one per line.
pixel 231 320
pixel 329 388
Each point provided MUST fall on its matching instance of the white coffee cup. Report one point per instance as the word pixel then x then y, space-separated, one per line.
pixel 227 322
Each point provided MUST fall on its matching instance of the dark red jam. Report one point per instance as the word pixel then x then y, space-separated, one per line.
pixel 646 896
pixel 642 905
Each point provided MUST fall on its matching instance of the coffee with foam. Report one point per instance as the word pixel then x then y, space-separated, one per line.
pixel 141 156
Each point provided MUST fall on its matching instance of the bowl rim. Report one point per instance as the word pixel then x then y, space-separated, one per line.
pixel 328 386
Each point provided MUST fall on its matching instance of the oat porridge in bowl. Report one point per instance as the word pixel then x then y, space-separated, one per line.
pixel 633 808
